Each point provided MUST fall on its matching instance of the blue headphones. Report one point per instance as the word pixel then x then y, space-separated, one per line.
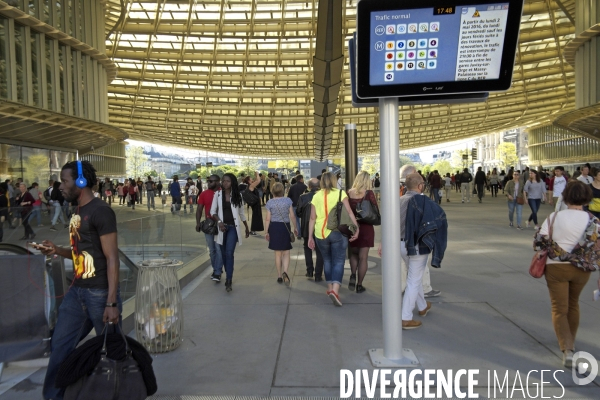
pixel 81 182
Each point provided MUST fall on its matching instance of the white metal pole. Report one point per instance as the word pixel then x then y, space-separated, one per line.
pixel 393 354
pixel 390 228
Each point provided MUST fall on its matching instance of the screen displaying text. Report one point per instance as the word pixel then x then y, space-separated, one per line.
pixel 424 45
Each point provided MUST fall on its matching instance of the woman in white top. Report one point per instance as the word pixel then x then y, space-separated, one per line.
pixel 565 281
pixel 228 210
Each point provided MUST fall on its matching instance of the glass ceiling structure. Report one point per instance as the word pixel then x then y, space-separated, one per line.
pixel 235 76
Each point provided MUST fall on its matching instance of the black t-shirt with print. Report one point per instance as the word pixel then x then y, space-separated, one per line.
pixel 91 221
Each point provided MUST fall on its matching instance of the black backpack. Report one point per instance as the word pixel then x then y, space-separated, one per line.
pixel 376 183
pixel 249 197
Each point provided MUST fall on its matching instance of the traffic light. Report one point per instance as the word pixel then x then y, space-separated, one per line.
pixel 474 153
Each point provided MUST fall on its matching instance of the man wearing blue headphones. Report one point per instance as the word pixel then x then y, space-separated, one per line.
pixel 94 298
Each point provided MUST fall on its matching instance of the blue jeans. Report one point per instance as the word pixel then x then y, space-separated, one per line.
pixel 511 210
pixel 215 254
pixel 81 310
pixel 36 213
pixel 230 240
pixel 150 194
pixel 298 219
pixel 333 249
pixel 58 214
pixel 534 204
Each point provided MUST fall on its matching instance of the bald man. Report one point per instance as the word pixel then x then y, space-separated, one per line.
pixel 429 291
pixel 424 230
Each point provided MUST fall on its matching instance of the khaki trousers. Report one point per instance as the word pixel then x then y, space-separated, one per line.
pixel 565 283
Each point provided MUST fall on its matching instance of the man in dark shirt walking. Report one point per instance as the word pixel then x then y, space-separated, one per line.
pixel 436 184
pixel 303 210
pixel 94 298
pixel 465 185
pixel 480 182
pixel 294 193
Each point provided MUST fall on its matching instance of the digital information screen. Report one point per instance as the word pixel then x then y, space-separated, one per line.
pixel 437 44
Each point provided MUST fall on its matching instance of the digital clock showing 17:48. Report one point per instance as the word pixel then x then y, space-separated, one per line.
pixel 443 10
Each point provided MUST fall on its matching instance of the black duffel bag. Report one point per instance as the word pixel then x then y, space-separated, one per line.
pixel 126 375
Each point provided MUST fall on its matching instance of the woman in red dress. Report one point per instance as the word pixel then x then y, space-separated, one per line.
pixel 359 248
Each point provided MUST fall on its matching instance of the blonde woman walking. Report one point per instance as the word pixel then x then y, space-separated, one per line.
pixel 332 244
pixel 359 248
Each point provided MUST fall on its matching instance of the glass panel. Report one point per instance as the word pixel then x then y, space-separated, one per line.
pixel 83 85
pixel 46 11
pixel 69 16
pixel 3 72
pixel 61 60
pixel 58 23
pixel 79 27
pixel 36 166
pixel 32 11
pixel 57 160
pixel 75 85
pixel 19 38
pixel 49 71
pixel 34 68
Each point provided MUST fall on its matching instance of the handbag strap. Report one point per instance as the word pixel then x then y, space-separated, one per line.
pixel 103 351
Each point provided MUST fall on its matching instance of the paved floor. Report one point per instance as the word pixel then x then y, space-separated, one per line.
pixel 266 339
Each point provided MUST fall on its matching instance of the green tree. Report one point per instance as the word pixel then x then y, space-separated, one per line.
pixel 249 166
pixel 224 169
pixel 457 161
pixel 405 160
pixel 137 162
pixel 370 164
pixel 153 173
pixel 193 174
pixel 442 166
pixel 287 166
pixel 506 154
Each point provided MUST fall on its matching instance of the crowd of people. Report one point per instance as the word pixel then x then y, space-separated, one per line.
pixel 331 220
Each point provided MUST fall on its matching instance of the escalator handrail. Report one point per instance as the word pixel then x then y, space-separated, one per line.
pixel 15 248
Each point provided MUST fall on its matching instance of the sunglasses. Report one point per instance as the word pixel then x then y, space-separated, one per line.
pixel 212 180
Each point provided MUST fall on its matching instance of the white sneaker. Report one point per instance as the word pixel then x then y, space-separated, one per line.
pixel 527 224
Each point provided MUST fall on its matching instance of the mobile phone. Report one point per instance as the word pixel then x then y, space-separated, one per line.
pixel 39 246
pixel 596 295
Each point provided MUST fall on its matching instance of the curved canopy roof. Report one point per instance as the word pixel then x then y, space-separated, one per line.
pixel 235 76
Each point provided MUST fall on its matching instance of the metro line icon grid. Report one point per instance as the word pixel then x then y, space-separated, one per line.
pixel 409 53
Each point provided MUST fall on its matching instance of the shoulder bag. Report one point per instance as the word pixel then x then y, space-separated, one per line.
pixel 537 268
pixel 339 219
pixel 209 226
pixel 110 379
pixel 367 213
